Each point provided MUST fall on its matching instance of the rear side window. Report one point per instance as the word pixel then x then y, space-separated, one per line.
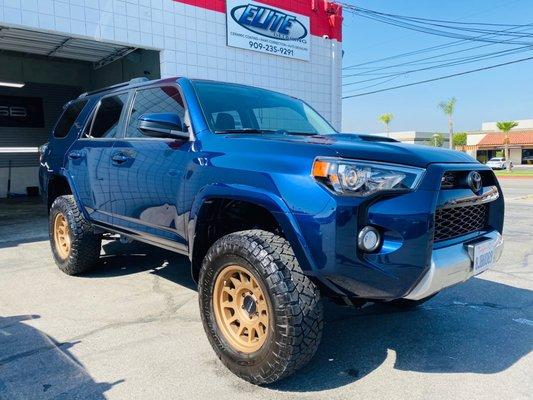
pixel 164 99
pixel 67 119
pixel 107 117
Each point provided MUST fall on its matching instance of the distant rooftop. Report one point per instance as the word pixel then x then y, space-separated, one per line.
pixel 522 124
pixel 524 137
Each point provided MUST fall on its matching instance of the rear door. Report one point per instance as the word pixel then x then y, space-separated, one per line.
pixel 89 158
pixel 148 172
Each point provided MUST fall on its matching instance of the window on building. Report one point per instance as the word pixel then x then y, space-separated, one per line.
pixel 67 119
pixel 527 156
pixel 164 99
pixel 107 118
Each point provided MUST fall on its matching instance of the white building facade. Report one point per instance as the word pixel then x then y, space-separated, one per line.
pixel 59 48
pixel 490 142
pixel 416 137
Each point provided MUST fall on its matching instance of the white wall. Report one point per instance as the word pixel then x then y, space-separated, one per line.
pixel 21 178
pixel 516 156
pixel 474 139
pixel 193 44
pixel 414 137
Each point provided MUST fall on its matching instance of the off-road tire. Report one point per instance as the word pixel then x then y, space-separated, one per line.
pixel 85 244
pixel 296 318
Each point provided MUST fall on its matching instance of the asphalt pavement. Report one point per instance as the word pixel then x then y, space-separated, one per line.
pixel 132 330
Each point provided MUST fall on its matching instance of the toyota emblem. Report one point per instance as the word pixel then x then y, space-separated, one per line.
pixel 474 181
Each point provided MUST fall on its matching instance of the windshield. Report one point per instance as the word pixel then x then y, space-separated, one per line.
pixel 236 108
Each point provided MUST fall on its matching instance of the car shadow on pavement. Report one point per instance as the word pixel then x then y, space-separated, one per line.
pixel 35 366
pixel 121 259
pixel 480 327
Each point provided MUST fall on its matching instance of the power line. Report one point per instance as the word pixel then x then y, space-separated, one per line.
pixel 479 11
pixel 417 62
pixel 388 78
pixel 432 48
pixel 449 63
pixel 357 8
pixel 425 25
pixel 435 32
pixel 438 78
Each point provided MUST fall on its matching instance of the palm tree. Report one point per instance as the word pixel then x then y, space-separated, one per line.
pixel 505 127
pixel 437 140
pixel 386 119
pixel 448 107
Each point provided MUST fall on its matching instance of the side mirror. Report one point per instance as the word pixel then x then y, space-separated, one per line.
pixel 163 125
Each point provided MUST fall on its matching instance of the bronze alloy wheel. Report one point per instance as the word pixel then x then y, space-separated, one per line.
pixel 241 309
pixel 75 245
pixel 62 236
pixel 262 314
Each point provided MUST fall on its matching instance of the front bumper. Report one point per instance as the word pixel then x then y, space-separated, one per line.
pixel 409 254
pixel 451 265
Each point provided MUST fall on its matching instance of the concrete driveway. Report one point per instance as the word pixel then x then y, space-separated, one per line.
pixel 131 329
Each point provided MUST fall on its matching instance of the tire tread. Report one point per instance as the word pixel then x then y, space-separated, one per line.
pixel 299 316
pixel 85 243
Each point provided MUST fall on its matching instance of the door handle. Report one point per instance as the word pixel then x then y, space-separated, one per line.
pixel 75 154
pixel 120 158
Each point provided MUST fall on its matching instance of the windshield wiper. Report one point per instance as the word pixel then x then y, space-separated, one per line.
pixel 242 130
pixel 255 130
pixel 285 132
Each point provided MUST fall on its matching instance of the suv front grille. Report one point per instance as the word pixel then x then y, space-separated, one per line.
pixel 458 179
pixel 458 221
pixel 448 180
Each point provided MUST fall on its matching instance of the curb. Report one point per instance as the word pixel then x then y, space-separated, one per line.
pixel 514 177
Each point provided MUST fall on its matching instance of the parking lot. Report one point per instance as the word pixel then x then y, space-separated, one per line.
pixel 132 330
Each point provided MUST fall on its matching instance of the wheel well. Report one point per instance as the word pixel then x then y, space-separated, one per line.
pixel 57 186
pixel 219 217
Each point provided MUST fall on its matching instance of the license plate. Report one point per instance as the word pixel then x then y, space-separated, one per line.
pixel 483 256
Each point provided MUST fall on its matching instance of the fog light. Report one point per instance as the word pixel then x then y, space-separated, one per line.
pixel 368 239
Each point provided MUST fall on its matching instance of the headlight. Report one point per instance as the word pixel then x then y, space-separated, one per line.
pixel 363 178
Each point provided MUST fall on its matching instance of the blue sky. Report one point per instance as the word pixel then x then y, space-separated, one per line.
pixel 504 93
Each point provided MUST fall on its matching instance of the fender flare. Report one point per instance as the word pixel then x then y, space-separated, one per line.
pixel 269 201
pixel 65 174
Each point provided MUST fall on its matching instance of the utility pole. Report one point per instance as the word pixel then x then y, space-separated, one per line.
pixel 450 128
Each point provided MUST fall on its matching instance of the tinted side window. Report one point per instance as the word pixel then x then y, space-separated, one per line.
pixel 107 116
pixel 164 99
pixel 69 116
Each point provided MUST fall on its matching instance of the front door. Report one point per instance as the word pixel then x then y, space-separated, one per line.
pixel 89 158
pixel 148 171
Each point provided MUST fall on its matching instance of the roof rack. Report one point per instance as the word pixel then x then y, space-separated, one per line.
pixel 131 82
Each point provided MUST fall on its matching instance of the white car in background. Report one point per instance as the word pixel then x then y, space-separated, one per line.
pixel 498 163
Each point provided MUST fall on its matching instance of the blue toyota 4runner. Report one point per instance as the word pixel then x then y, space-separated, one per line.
pixel 273 207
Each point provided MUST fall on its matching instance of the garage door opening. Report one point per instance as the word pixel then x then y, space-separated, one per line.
pixel 39 73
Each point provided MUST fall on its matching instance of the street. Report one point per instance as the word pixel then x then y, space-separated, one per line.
pixel 132 330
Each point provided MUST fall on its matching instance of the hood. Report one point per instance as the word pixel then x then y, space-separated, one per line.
pixel 368 147
pixel 362 147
